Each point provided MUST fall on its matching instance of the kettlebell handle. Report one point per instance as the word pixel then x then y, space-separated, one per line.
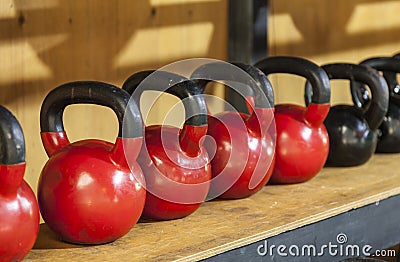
pixel 367 75
pixel 390 66
pixel 263 93
pixel 319 107
pixel 232 74
pixel 195 126
pixel 12 143
pixel 391 78
pixel 87 92
pixel 260 87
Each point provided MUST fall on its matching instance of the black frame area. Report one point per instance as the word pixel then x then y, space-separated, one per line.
pixel 247 30
pixel 247 40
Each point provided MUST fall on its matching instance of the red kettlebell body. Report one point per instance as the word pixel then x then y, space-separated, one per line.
pixel 87 192
pixel 85 198
pixel 302 142
pixel 241 148
pixel 19 211
pixel 174 162
pixel 294 138
pixel 243 159
pixel 166 154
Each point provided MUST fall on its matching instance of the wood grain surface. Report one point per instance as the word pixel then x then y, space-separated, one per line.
pixel 219 226
pixel 327 31
pixel 45 43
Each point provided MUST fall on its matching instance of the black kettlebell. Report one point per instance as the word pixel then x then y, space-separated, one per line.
pixel 352 130
pixel 389 130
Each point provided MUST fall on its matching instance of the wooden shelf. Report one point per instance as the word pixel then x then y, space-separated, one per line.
pixel 220 226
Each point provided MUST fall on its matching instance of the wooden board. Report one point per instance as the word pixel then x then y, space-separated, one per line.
pixel 219 226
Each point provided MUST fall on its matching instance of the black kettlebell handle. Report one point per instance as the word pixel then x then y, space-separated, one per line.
pixel 179 86
pixel 301 67
pixel 265 89
pixel 359 95
pixel 367 75
pixel 390 67
pixel 90 92
pixel 12 142
pixel 391 78
pixel 318 109
pixel 221 71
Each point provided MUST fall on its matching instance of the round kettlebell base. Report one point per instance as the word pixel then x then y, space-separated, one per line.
pixel 352 142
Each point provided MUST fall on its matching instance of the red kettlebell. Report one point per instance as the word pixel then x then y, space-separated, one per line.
pixel 87 192
pixel 244 149
pixel 19 211
pixel 174 162
pixel 302 143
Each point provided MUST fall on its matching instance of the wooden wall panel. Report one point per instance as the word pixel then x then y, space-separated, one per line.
pixel 328 31
pixel 45 43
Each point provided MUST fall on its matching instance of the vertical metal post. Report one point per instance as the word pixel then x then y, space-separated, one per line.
pixel 247 41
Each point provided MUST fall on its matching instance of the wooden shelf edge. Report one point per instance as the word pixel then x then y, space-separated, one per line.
pixel 291 226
